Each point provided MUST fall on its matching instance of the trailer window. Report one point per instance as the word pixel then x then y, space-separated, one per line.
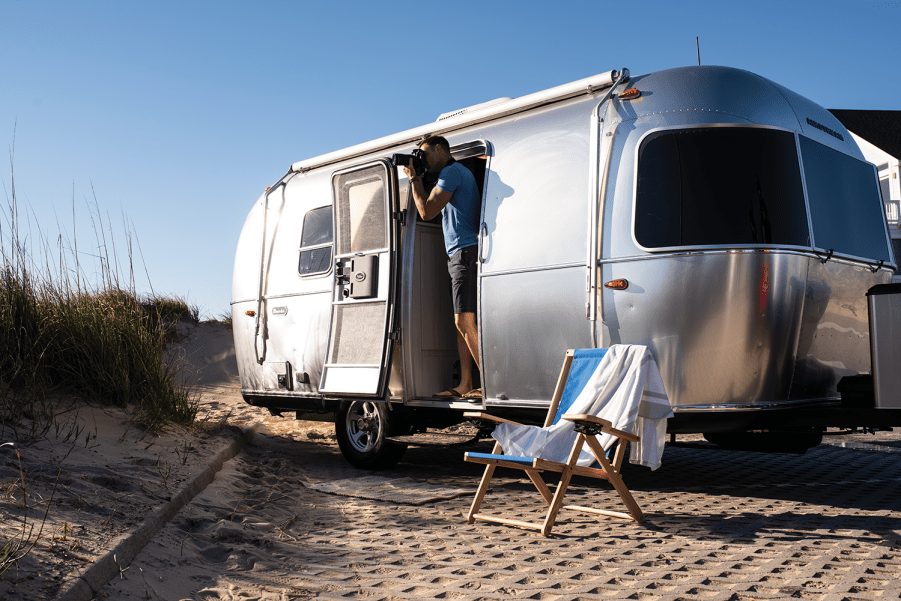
pixel 845 207
pixel 362 225
pixel 316 242
pixel 719 186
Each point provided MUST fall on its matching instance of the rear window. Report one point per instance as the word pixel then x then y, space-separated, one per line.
pixel 719 186
pixel 845 207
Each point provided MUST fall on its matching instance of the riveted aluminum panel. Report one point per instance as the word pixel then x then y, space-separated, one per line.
pixel 529 321
pixel 721 325
pixel 537 191
pixel 834 339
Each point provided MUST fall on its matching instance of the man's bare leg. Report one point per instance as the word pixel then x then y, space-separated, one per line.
pixel 465 384
pixel 467 348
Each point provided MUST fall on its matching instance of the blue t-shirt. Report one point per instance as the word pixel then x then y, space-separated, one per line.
pixel 460 216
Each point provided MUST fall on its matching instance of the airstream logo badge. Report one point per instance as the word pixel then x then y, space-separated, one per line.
pixel 360 276
pixel 823 128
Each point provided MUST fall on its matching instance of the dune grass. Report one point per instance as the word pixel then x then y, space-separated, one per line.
pixel 96 338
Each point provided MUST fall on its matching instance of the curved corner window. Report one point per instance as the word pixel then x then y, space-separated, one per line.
pixel 845 207
pixel 316 242
pixel 720 186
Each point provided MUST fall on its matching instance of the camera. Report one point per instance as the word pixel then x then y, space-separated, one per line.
pixel 417 157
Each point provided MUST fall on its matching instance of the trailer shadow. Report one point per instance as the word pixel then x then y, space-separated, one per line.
pixel 826 476
pixel 828 495
pixel 749 527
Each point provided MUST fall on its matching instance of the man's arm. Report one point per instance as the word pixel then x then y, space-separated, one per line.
pixel 431 206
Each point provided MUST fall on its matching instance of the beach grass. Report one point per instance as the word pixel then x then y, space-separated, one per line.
pixel 93 337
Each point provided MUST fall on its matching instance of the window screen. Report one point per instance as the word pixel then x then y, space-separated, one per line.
pixel 845 208
pixel 362 222
pixel 316 242
pixel 719 186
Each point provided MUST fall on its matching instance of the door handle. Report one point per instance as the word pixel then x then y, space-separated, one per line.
pixel 483 238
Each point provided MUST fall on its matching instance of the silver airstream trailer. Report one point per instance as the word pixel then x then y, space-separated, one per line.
pixel 715 216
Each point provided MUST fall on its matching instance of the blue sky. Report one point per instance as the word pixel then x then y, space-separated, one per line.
pixel 177 115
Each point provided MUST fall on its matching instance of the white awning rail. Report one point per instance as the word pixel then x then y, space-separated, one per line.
pixel 589 85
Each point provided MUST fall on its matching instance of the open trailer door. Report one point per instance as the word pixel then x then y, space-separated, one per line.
pixel 362 320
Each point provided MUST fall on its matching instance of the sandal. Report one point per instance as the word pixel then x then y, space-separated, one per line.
pixel 450 393
pixel 474 394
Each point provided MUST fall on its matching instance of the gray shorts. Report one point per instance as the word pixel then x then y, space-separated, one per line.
pixel 463 270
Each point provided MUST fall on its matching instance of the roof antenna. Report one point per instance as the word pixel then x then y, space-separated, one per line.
pixel 698 44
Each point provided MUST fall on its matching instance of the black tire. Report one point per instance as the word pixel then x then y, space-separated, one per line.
pixel 362 428
pixel 773 441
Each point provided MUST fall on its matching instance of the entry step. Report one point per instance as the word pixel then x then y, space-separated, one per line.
pixel 436 439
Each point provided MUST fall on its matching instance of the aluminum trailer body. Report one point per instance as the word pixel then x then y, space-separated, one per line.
pixel 726 222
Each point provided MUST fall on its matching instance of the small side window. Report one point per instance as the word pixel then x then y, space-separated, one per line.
pixel 316 242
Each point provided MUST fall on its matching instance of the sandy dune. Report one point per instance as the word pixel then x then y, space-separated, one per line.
pixel 101 475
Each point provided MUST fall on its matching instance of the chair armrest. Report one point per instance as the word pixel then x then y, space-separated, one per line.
pixel 474 415
pixel 596 423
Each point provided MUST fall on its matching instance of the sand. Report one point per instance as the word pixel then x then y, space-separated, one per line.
pixel 97 476
pixel 287 518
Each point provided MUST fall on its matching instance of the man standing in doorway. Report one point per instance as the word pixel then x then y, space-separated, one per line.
pixel 456 197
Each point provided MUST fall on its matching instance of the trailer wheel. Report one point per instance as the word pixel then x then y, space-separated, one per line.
pixel 362 428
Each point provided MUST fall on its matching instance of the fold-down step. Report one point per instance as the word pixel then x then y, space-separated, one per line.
pixel 437 439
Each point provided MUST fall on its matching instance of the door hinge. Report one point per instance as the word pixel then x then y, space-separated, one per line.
pixel 395 335
pixel 401 216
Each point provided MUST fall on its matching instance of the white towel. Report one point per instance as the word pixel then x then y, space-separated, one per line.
pixel 625 389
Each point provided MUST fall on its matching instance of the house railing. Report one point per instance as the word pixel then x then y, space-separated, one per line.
pixel 893 212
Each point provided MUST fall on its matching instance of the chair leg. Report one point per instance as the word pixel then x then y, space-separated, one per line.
pixel 627 498
pixel 619 456
pixel 565 477
pixel 543 489
pixel 557 503
pixel 615 479
pixel 480 493
pixel 483 487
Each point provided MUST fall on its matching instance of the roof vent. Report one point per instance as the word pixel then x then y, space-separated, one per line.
pixel 473 108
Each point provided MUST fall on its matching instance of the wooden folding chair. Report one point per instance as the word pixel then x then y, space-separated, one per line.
pixel 578 366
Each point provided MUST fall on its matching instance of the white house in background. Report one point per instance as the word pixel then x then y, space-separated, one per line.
pixel 878 133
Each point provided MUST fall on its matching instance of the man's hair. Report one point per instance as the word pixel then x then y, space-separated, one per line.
pixel 435 141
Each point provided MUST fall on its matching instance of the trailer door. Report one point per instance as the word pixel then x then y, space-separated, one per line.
pixel 362 316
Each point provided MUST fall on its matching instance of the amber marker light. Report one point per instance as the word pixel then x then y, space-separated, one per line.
pixel 630 94
pixel 250 313
pixel 617 284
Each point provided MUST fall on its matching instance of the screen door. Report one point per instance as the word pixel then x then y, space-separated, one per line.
pixel 363 299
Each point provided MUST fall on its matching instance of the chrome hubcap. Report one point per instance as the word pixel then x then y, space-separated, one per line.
pixel 363 426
